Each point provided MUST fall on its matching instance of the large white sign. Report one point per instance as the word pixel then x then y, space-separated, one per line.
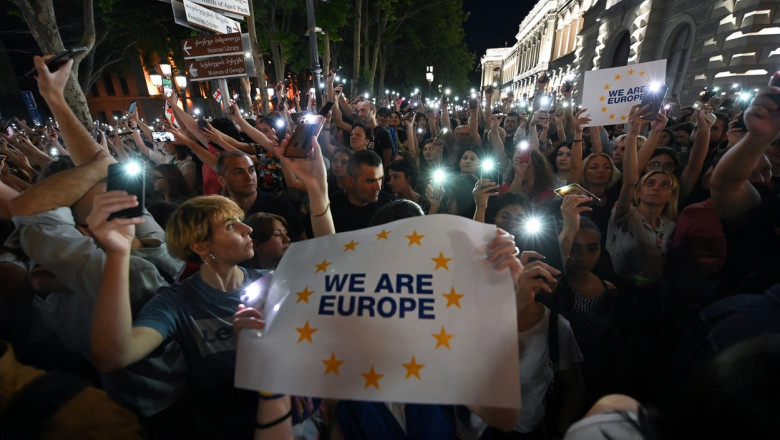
pixel 206 18
pixel 410 311
pixel 609 94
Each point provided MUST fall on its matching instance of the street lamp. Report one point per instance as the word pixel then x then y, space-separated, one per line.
pixel 167 83
pixel 429 77
pixel 181 81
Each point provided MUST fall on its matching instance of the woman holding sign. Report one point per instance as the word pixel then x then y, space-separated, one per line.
pixel 197 312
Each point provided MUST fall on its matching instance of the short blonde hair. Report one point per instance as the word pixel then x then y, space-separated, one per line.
pixel 192 223
pixel 670 210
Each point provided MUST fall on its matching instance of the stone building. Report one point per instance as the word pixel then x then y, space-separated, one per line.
pixel 719 43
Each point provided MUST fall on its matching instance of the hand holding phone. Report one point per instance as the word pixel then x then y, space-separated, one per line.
pixel 300 145
pixel 129 177
pixel 57 61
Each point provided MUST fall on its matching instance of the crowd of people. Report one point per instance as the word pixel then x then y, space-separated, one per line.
pixel 667 245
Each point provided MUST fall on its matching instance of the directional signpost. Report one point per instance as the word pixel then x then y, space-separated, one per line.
pixel 212 46
pixel 222 67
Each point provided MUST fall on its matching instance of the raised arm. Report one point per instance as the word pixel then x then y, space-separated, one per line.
pixel 311 171
pixel 630 166
pixel 205 156
pixel 115 343
pixel 693 169
pixel 576 171
pixel 81 146
pixel 732 193
pixel 252 132
pixel 494 137
pixel 647 150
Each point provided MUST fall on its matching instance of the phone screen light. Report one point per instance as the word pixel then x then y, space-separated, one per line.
pixel 487 165
pixel 132 168
pixel 439 176
pixel 532 225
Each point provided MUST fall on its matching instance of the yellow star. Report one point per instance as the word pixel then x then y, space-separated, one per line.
pixel 322 267
pixel 617 77
pixel 415 238
pixel 603 109
pixel 443 338
pixel 641 73
pixel 303 296
pixel 382 235
pixel 623 118
pixel 611 116
pixel 631 71
pixel 413 369
pixel 372 378
pixel 441 261
pixel 453 298
pixel 332 365
pixel 602 98
pixel 305 333
pixel 350 246
pixel 606 86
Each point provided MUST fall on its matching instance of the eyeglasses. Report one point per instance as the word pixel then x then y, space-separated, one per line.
pixel 666 166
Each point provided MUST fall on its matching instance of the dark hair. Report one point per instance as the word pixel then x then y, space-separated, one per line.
pixel 544 178
pixel 267 120
pixel 182 151
pixel 61 164
pixel 407 167
pixel 498 203
pixel 395 210
pixel 513 114
pixel 723 117
pixel 420 115
pixel 460 190
pixel 587 223
pixel 161 211
pixel 362 157
pixel 366 129
pixel 223 158
pixel 348 151
pixel 176 183
pixel 669 132
pixel 383 111
pixel 732 396
pixel 226 126
pixel 669 152
pixel 262 225
pixel 684 126
pixel 554 155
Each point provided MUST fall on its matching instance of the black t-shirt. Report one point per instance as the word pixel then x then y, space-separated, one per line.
pixel 348 217
pixel 382 141
pixel 271 204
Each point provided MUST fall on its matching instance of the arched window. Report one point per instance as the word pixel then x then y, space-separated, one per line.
pixel 621 51
pixel 677 57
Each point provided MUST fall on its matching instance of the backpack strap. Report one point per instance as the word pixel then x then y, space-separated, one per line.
pixel 36 403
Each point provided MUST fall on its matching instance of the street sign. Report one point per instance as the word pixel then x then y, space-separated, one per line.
pixel 212 46
pixel 208 19
pixel 233 7
pixel 218 67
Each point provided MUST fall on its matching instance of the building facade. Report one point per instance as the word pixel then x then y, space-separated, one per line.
pixel 714 44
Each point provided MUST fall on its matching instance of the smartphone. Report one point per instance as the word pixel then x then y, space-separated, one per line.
pixel 162 136
pixel 655 99
pixel 58 60
pixel 201 124
pixel 472 103
pixel 494 174
pixel 300 143
pixel 546 103
pixel 540 234
pixel 131 108
pixel 130 177
pixel 575 189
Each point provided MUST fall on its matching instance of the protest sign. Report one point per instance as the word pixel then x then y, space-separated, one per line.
pixel 609 94
pixel 410 311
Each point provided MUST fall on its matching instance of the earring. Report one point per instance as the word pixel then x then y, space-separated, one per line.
pixel 213 258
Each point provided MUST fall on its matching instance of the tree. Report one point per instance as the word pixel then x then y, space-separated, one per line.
pixel 40 18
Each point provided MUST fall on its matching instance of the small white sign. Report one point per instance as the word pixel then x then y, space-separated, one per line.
pixel 206 18
pixel 239 7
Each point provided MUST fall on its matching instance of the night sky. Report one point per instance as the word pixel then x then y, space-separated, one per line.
pixel 493 23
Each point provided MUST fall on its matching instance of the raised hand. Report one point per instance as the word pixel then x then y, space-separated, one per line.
pixel 117 234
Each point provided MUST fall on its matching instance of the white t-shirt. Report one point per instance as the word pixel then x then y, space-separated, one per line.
pixel 637 249
pixel 535 372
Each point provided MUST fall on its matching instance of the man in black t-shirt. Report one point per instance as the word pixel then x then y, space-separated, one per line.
pixel 353 207
pixel 383 142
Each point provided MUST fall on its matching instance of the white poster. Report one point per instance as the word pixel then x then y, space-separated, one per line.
pixel 410 311
pixel 609 94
